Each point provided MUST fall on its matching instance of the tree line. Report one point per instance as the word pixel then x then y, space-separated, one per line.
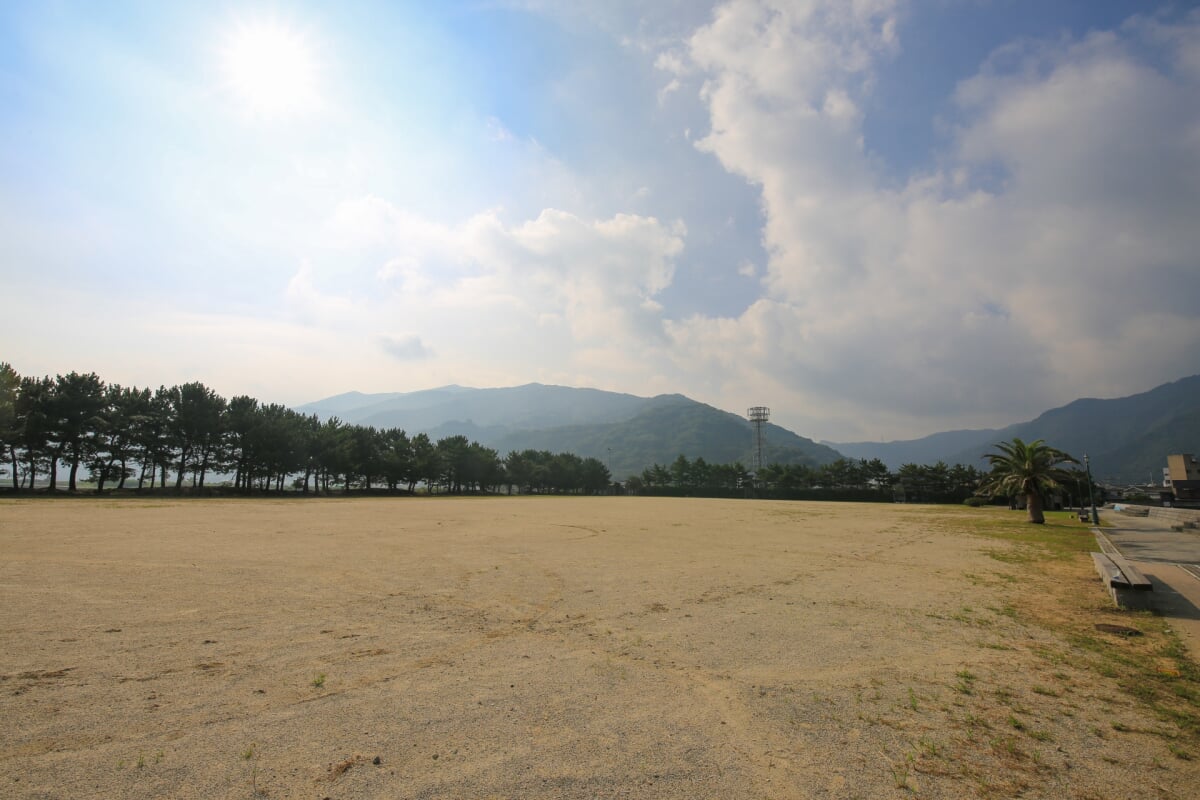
pixel 846 479
pixel 177 437
pixel 124 437
pixel 857 479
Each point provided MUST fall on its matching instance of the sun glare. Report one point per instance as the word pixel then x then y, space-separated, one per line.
pixel 271 69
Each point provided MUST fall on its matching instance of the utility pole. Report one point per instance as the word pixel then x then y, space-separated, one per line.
pixel 1091 493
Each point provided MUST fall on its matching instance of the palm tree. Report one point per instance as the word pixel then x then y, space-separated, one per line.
pixel 1026 469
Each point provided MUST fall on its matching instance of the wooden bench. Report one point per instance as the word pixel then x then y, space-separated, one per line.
pixel 1125 583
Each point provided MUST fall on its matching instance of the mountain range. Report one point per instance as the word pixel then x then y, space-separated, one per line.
pixel 1126 439
pixel 628 433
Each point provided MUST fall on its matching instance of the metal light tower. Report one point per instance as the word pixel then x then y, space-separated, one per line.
pixel 757 416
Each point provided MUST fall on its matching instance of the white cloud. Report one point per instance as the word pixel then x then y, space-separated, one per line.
pixel 1058 234
pixel 405 348
pixel 312 306
pixel 522 297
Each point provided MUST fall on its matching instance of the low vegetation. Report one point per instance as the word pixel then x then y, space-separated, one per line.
pixel 1152 667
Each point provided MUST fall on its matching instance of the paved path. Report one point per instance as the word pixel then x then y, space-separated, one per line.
pixel 1170 559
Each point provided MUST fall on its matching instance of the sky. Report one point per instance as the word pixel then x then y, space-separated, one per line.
pixel 880 218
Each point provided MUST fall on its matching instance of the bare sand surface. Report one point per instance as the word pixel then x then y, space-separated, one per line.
pixel 547 648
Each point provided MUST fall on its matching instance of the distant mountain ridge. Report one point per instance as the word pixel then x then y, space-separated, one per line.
pixel 1127 439
pixel 627 432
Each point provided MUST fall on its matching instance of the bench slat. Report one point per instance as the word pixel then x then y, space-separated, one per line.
pixel 1110 573
pixel 1136 580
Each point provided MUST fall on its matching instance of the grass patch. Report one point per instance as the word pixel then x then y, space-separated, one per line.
pixel 1060 594
pixel 1061 537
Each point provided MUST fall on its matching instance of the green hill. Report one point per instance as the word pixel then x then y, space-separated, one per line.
pixel 670 426
pixel 626 432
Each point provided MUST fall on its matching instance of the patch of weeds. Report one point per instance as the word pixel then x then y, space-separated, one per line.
pixel 251 754
pixel 1007 610
pixel 141 762
pixel 912 699
pixel 1041 736
pixel 1044 690
pixel 1059 538
pixel 1015 556
pixel 1154 669
pixel 1009 747
pixel 902 771
pixel 1179 752
pixel 319 681
pixel 1016 723
pixel 1052 656
pixel 1122 727
pixel 929 748
pixel 966 681
pixel 966 615
pixel 973 721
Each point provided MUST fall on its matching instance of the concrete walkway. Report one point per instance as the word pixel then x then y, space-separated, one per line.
pixel 1170 559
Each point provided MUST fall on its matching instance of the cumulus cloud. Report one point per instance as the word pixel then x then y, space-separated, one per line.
pixel 1057 234
pixel 405 348
pixel 311 305
pixel 557 288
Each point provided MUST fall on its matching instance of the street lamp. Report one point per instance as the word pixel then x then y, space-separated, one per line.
pixel 1091 495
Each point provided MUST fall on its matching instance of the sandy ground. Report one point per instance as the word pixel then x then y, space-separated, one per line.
pixel 542 647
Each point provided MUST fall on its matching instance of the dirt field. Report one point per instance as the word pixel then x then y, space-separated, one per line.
pixel 547 648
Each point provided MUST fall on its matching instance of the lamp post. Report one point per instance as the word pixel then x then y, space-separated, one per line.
pixel 1091 495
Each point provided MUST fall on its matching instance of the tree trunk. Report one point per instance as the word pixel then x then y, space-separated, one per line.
pixel 183 459
pixel 1033 503
pixel 73 472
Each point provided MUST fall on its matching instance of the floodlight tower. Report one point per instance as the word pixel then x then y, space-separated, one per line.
pixel 758 415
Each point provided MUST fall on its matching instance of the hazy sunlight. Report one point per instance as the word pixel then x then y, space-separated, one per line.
pixel 271 69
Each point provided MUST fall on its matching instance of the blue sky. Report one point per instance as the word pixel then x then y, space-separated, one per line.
pixel 881 218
